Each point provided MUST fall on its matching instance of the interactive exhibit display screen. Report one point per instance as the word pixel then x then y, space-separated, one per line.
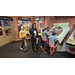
pixel 61 30
pixel 57 30
pixel 5 26
pixel 70 43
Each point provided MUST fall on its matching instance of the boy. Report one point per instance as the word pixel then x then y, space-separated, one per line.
pixel 45 36
pixel 22 34
pixel 34 37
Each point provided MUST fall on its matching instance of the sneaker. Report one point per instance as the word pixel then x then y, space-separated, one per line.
pixel 40 46
pixel 38 52
pixel 27 50
pixel 21 48
pixel 45 52
pixel 51 57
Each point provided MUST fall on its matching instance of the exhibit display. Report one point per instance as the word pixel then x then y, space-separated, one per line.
pixel 6 31
pixel 71 40
pixel 26 24
pixel 40 24
pixel 1 32
pixel 5 25
pixel 61 30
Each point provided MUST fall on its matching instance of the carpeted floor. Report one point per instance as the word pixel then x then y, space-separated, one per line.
pixel 12 50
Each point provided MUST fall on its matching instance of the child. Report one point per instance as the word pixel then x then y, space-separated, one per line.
pixel 22 34
pixel 52 40
pixel 42 37
pixel 45 35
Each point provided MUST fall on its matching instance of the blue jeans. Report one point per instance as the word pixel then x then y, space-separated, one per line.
pixel 22 43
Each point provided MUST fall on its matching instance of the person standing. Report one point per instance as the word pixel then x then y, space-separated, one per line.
pixel 45 36
pixel 42 37
pixel 22 34
pixel 34 37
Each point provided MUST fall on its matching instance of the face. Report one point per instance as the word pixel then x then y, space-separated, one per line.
pixel 34 26
pixel 48 30
pixel 23 28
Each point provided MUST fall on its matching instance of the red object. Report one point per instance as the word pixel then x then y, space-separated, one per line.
pixel 46 39
pixel 42 21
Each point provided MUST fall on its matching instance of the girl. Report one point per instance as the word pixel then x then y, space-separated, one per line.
pixel 52 40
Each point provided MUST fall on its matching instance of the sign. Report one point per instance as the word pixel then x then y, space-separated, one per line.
pixel 41 18
pixel 24 18
pixel 6 18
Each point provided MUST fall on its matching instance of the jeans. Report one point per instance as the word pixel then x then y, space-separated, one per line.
pixel 22 43
pixel 33 42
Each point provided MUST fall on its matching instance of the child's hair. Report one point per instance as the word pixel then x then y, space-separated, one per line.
pixel 53 33
pixel 44 29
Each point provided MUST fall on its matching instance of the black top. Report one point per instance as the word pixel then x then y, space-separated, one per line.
pixel 33 32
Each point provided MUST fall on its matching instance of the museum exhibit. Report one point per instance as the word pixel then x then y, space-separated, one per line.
pixel 15 32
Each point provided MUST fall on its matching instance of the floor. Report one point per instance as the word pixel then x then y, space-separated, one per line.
pixel 12 50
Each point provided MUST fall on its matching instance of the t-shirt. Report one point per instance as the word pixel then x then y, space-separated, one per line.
pixel 45 34
pixel 51 39
pixel 34 33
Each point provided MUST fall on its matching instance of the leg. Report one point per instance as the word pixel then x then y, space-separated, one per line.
pixel 32 42
pixel 52 50
pixel 22 43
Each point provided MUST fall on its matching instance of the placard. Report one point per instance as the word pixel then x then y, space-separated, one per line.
pixel 24 18
pixel 6 18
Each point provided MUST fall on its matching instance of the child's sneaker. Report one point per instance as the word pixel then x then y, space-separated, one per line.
pixel 21 48
pixel 45 52
pixel 40 46
pixel 49 56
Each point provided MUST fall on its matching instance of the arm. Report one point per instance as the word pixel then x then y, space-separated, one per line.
pixel 55 39
pixel 37 33
pixel 30 32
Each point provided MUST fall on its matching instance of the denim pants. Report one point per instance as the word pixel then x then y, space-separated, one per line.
pixel 22 43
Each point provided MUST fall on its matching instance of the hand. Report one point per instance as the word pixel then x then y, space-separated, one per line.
pixel 34 36
pixel 38 38
pixel 57 38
